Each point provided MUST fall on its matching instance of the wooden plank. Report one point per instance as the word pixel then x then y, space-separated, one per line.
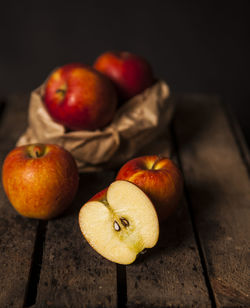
pixel 17 234
pixel 73 274
pixel 171 273
pixel 218 186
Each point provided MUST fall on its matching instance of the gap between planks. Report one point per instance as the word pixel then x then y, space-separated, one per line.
pixel 121 276
pixel 36 264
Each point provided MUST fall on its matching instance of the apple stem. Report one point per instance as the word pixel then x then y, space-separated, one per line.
pixel 36 150
pixel 61 91
pixel 156 162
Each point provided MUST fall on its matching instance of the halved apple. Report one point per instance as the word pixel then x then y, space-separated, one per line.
pixel 120 222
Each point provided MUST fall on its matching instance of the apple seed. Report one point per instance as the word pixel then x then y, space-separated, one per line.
pixel 116 226
pixel 124 222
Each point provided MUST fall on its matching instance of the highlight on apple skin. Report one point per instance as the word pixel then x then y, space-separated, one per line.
pixel 131 73
pixel 80 98
pixel 159 178
pixel 119 222
pixel 40 180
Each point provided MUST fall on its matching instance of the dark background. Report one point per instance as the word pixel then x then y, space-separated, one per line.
pixel 196 46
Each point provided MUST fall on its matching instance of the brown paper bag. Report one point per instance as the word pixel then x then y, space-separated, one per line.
pixel 136 123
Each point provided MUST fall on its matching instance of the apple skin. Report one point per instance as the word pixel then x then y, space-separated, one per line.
pixel 80 98
pixel 40 180
pixel 100 196
pixel 130 73
pixel 159 178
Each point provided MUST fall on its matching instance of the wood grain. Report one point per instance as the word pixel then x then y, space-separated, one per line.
pixel 17 234
pixel 219 190
pixel 73 274
pixel 171 273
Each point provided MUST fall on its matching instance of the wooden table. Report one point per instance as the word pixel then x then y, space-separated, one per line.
pixel 202 257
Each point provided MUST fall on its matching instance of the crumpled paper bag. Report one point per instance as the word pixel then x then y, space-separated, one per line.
pixel 136 123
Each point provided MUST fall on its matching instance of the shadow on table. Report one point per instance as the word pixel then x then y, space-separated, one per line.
pixel 89 184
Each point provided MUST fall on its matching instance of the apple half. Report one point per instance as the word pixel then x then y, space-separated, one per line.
pixel 120 222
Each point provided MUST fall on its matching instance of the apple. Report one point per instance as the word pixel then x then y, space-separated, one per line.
pixel 40 180
pixel 159 178
pixel 120 222
pixel 131 73
pixel 80 98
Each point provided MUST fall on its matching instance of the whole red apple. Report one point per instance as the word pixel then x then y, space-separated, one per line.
pixel 80 98
pixel 159 178
pixel 40 180
pixel 130 73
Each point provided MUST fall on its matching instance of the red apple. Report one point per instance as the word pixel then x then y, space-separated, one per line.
pixel 130 73
pixel 120 222
pixel 159 178
pixel 80 98
pixel 40 180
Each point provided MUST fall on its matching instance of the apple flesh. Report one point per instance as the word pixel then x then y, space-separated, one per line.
pixel 120 222
pixel 40 180
pixel 131 73
pixel 80 98
pixel 159 178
